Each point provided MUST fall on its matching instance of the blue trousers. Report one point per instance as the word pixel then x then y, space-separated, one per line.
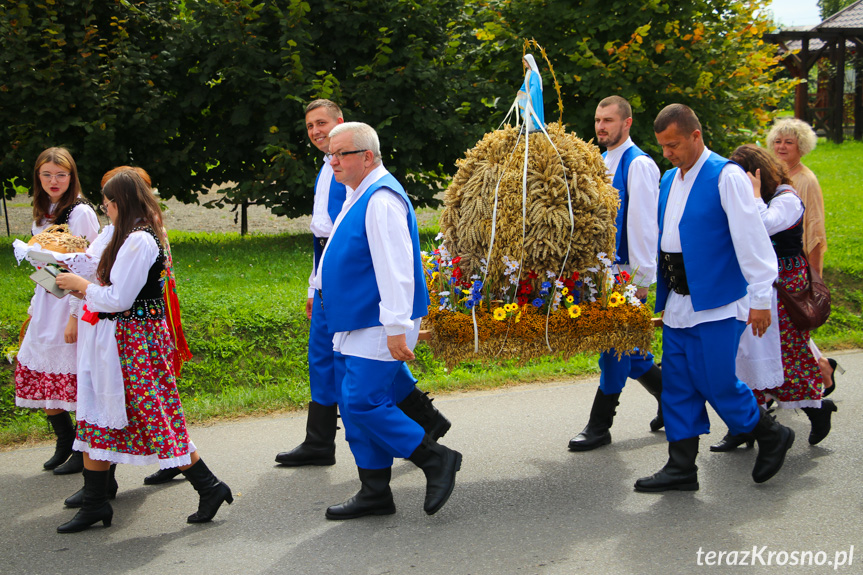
pixel 698 365
pixel 614 372
pixel 322 379
pixel 375 428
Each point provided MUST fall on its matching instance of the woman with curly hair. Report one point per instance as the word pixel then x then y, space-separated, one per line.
pixel 790 139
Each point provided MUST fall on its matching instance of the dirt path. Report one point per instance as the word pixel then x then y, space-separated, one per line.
pixel 194 218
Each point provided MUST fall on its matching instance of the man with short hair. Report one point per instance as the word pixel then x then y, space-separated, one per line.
pixel 372 287
pixel 319 446
pixel 717 268
pixel 636 178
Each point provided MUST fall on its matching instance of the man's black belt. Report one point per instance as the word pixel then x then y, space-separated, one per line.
pixel 321 242
pixel 674 272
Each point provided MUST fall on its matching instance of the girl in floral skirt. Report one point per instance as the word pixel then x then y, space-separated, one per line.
pixel 780 365
pixel 45 373
pixel 129 409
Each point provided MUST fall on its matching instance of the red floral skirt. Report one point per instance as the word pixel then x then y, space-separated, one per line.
pixel 44 390
pixel 157 425
pixel 802 385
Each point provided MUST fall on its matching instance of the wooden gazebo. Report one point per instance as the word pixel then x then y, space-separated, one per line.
pixel 835 38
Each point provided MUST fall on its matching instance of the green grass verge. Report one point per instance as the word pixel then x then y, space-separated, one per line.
pixel 243 300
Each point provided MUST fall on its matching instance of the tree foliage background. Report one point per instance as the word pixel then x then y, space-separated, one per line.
pixel 208 92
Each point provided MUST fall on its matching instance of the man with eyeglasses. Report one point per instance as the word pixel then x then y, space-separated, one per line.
pixel 371 283
pixel 319 447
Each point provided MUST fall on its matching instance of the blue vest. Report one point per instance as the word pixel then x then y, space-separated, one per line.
pixel 620 184
pixel 335 201
pixel 350 290
pixel 712 270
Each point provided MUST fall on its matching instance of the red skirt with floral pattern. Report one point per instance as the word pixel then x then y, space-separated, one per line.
pixel 46 390
pixel 802 375
pixel 157 424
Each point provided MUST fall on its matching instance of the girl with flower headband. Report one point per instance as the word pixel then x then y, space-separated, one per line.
pixel 129 410
pixel 45 376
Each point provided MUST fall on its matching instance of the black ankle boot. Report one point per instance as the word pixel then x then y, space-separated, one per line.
pixel 731 442
pixel 820 418
pixel 680 473
pixel 418 406
pixel 374 497
pixel 74 464
pixel 211 491
pixel 596 433
pixel 76 500
pixel 65 432
pixel 439 464
pixel 652 382
pixel 319 447
pixel 95 506
pixel 162 476
pixel 774 441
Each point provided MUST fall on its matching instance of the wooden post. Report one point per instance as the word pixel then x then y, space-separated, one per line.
pixel 801 91
pixel 244 218
pixel 839 93
pixel 858 95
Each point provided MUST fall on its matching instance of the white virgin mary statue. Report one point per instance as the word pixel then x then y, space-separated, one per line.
pixel 531 91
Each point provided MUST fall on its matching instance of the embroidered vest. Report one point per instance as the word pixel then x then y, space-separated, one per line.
pixel 150 302
pixel 350 291
pixel 63 217
pixel 789 242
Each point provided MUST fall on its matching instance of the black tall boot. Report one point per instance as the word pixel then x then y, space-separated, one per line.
pixel 211 491
pixel 162 476
pixel 774 440
pixel 680 473
pixel 374 497
pixel 596 433
pixel 95 506
pixel 652 382
pixel 76 500
pixel 418 406
pixel 439 464
pixel 319 447
pixel 65 432
pixel 820 418
pixel 74 464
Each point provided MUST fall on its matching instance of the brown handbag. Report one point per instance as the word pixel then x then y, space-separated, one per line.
pixel 808 308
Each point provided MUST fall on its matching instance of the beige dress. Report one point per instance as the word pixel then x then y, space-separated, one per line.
pixel 814 232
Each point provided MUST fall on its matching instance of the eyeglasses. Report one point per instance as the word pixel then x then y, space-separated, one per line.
pixel 340 155
pixel 103 207
pixel 61 177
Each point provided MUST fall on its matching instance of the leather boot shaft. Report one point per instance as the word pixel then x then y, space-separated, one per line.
pixel 95 506
pixel 418 406
pixel 680 472
pixel 652 382
pixel 374 497
pixel 64 429
pixel 212 492
pixel 439 464
pixel 774 441
pixel 319 446
pixel 596 433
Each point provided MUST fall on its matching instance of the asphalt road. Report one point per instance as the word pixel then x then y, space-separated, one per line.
pixel 523 504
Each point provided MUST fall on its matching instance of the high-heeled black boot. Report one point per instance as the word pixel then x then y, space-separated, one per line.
pixel 76 500
pixel 319 446
pixel 211 491
pixel 439 464
pixel 652 382
pixel 95 506
pixel 374 497
pixel 162 476
pixel 596 433
pixel 680 472
pixel 65 432
pixel 820 418
pixel 731 442
pixel 418 406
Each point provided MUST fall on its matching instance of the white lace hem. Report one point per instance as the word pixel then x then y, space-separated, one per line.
pixel 46 404
pixel 103 420
pixel 128 458
pixel 795 404
pixel 55 359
